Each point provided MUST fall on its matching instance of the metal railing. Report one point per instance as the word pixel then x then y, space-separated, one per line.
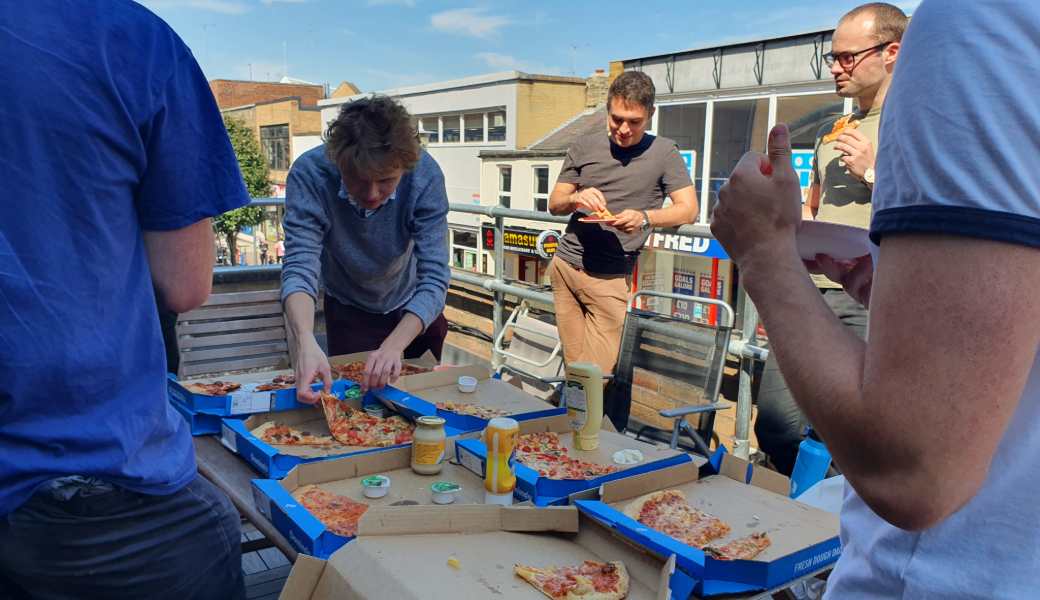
pixel 745 347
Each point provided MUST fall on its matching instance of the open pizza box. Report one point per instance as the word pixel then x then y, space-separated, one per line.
pixel 542 491
pixel 275 498
pixel 804 540
pixel 421 393
pixel 426 361
pixel 275 460
pixel 243 401
pixel 405 555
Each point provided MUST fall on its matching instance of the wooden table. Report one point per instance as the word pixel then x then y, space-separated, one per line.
pixel 230 473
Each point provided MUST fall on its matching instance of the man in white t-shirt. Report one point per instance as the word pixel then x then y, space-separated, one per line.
pixel 936 420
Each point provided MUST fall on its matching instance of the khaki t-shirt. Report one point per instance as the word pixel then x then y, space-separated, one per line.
pixel 844 198
pixel 635 178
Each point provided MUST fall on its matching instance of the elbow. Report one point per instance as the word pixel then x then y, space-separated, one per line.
pixel 185 298
pixel 920 502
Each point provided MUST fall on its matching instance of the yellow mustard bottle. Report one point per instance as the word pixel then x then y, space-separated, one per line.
pixel 500 439
pixel 584 395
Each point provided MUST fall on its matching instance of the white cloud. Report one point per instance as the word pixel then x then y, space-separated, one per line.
pixel 408 3
pixel 227 7
pixel 505 62
pixel 469 21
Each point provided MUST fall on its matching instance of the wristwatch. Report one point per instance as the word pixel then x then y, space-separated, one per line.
pixel 647 225
pixel 868 176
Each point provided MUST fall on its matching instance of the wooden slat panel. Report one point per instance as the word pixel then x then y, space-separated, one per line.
pixel 234 351
pixel 233 365
pixel 244 297
pixel 193 342
pixel 235 325
pixel 230 312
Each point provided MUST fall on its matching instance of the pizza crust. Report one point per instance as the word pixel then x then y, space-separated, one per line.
pixel 635 508
pixel 585 589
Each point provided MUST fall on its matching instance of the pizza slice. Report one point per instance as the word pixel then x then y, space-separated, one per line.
pixel 546 454
pixel 283 435
pixel 355 371
pixel 338 513
pixel 475 410
pixel 357 428
pixel 668 511
pixel 840 126
pixel 590 580
pixel 215 388
pixel 744 548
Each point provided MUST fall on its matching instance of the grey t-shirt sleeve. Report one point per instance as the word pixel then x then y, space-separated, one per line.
pixel 570 172
pixel 675 177
pixel 306 225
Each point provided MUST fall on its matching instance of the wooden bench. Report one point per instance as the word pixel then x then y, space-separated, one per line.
pixel 234 331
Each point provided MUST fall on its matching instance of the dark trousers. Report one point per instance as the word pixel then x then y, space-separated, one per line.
pixel 780 422
pixel 352 330
pixel 121 544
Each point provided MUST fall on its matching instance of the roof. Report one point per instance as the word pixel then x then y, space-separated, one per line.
pixel 732 44
pixel 556 142
pixel 318 85
pixel 441 86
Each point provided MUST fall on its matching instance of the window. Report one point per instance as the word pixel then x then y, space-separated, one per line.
pixel 738 126
pixel 541 189
pixel 497 126
pixel 474 128
pixel 505 186
pixel 450 128
pixel 274 142
pixel 685 124
pixel 465 238
pixel 806 116
pixel 429 127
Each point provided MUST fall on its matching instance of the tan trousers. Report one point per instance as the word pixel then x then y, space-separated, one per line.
pixel 590 313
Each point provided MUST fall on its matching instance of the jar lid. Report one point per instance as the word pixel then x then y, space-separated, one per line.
pixel 431 421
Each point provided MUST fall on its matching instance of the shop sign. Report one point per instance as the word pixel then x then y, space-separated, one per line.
pixel 683 283
pixel 687 245
pixel 523 241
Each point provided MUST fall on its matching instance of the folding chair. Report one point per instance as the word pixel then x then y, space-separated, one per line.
pixel 673 368
pixel 533 354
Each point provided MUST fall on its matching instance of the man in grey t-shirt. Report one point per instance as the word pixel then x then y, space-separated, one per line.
pixel 627 172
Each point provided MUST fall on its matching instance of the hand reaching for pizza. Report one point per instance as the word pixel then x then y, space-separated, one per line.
pixel 858 151
pixel 856 276
pixel 628 220
pixel 311 363
pixel 383 367
pixel 591 200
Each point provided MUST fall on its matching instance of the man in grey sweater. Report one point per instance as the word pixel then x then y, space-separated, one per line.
pixel 368 212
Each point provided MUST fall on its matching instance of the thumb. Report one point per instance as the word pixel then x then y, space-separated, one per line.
pixel 780 147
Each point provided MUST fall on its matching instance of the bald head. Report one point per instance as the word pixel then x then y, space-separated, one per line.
pixel 888 21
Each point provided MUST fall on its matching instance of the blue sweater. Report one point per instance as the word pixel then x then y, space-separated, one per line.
pixel 394 258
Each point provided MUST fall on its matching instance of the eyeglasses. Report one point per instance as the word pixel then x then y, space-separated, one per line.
pixel 847 60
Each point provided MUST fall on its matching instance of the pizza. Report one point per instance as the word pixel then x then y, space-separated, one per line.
pixel 744 548
pixel 281 382
pixel 475 410
pixel 840 126
pixel 590 580
pixel 668 511
pixel 355 371
pixel 545 453
pixel 338 514
pixel 215 388
pixel 277 433
pixel 357 428
pixel 600 215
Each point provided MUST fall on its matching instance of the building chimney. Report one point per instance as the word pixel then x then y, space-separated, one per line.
pixel 596 89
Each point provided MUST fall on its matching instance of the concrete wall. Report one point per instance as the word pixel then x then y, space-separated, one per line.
pixel 231 93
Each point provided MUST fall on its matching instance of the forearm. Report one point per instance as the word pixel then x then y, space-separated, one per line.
pixel 406 331
pixel 673 216
pixel 562 203
pixel 299 314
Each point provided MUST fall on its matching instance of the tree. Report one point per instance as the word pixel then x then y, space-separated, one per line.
pixel 256 175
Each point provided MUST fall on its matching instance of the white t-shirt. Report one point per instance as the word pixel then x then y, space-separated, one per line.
pixel 960 154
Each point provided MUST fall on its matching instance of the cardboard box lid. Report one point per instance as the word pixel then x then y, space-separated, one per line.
pixel 395 563
pixel 442 386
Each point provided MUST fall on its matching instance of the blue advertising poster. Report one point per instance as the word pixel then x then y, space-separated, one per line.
pixel 689 157
pixel 683 283
pixel 802 161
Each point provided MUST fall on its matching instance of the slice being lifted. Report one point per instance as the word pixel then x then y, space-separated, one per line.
pixel 589 581
pixel 358 428
pixel 840 126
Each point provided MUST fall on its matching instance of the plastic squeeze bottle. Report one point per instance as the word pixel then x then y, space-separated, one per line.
pixel 584 396
pixel 500 439
pixel 811 464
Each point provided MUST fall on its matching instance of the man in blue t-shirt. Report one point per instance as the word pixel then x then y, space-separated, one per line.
pixel 114 157
pixel 935 419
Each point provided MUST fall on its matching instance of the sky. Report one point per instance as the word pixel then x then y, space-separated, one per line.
pixel 383 44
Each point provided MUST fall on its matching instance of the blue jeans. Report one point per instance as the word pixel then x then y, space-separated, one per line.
pixel 115 543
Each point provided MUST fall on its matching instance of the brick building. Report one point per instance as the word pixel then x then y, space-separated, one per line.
pixel 230 92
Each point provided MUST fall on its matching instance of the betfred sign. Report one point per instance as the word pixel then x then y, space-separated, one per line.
pixel 531 242
pixel 687 245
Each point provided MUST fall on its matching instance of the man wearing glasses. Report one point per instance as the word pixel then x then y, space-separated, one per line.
pixel 863 54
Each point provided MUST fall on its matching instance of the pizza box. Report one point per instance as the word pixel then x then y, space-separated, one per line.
pixel 804 539
pixel 274 498
pixel 420 393
pixel 426 361
pixel 245 400
pixel 542 491
pixel 276 461
pixel 404 555
pixel 200 423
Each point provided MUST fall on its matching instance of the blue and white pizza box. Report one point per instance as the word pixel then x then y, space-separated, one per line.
pixel 199 423
pixel 342 476
pixel 804 539
pixel 245 400
pixel 543 491
pixel 421 393
pixel 485 542
pixel 276 461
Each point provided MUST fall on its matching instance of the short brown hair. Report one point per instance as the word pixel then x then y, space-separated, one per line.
pixel 889 21
pixel 373 135
pixel 634 87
